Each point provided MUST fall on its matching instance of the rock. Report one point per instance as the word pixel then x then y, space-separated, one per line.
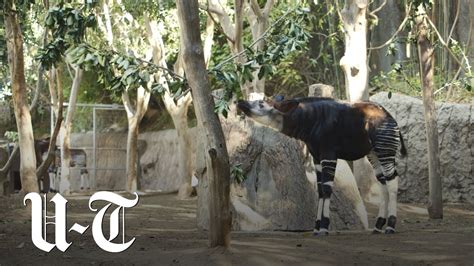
pixel 321 90
pixel 456 138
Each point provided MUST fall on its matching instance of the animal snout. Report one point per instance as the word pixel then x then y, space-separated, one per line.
pixel 244 106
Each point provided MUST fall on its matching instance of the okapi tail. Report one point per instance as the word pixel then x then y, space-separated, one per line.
pixel 403 150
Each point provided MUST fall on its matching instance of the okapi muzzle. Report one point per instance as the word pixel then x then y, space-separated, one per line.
pixel 335 130
pixel 262 112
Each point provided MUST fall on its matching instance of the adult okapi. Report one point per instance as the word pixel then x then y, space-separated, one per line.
pixel 338 130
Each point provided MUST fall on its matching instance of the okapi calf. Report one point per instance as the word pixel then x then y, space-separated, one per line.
pixel 337 130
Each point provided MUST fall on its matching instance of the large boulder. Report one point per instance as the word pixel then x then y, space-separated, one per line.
pixel 456 145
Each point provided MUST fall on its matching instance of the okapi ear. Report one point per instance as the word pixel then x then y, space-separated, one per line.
pixel 286 106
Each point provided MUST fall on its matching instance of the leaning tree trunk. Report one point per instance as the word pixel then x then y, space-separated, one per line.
pixel 426 57
pixel 14 40
pixel 65 184
pixel 217 159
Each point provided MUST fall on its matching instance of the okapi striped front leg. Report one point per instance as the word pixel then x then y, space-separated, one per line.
pixel 328 169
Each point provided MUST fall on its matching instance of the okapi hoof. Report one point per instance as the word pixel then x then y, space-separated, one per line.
pixel 377 231
pixel 389 231
pixel 321 233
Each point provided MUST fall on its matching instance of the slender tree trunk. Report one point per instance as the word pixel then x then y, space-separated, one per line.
pixel 132 154
pixel 258 18
pixel 57 101
pixel 14 40
pixel 177 109
pixel 217 159
pixel 426 57
pixel 65 184
pixel 134 117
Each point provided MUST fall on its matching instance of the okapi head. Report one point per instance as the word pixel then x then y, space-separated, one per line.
pixel 269 113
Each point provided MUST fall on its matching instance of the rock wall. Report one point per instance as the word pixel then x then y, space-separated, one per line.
pixel 456 140
pixel 159 160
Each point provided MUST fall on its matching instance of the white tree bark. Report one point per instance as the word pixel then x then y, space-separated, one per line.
pixel 354 61
pixel 178 110
pixel 65 135
pixel 134 117
pixel 218 10
pixel 258 18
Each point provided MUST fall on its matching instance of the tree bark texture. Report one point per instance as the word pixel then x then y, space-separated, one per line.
pixel 177 109
pixel 354 61
pixel 426 57
pixel 134 116
pixel 57 101
pixel 14 40
pixel 65 184
pixel 217 159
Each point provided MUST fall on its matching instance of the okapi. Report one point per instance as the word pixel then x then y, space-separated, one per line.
pixel 337 130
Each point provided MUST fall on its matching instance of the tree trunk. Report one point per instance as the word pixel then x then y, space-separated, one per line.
pixel 426 57
pixel 134 117
pixel 14 40
pixel 354 61
pixel 132 142
pixel 179 109
pixel 217 159
pixel 64 184
pixel 57 101
pixel 258 18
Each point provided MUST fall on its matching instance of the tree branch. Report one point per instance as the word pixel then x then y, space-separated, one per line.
pixel 256 8
pixel 254 42
pixel 399 29
pixel 379 8
pixel 443 42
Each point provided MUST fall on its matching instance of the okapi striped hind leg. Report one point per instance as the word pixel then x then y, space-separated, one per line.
pixel 325 190
pixel 317 224
pixel 384 195
pixel 383 161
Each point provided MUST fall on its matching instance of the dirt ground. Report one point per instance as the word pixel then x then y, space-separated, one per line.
pixel 166 234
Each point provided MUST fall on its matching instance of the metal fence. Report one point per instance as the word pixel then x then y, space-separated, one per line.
pixel 98 147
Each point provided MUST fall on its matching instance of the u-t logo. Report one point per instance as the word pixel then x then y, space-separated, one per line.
pixel 39 221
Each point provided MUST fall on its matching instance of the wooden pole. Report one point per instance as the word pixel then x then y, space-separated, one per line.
pixel 217 159
pixel 426 57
